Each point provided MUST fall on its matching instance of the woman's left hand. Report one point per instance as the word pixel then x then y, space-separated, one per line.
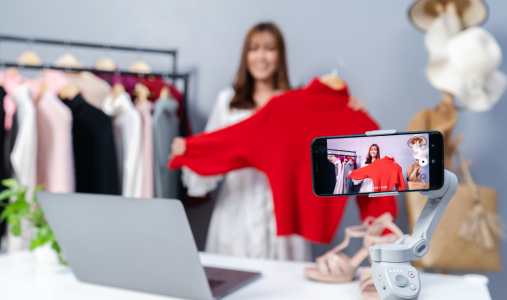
pixel 356 104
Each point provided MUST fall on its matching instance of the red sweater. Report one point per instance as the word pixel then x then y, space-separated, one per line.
pixel 384 173
pixel 276 140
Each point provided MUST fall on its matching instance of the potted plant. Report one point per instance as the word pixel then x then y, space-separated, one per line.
pixel 17 208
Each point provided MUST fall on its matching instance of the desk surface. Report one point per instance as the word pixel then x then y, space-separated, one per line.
pixel 22 278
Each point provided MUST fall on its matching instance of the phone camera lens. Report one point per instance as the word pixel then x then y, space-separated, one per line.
pixel 433 161
pixel 316 151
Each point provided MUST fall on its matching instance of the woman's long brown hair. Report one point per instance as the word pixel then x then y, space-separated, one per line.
pixel 368 157
pixel 244 85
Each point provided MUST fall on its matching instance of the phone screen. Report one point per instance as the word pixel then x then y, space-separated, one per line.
pixel 361 164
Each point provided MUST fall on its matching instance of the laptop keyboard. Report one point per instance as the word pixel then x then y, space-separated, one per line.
pixel 214 283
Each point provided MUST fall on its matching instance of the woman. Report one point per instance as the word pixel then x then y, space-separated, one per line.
pixel 243 221
pixel 373 154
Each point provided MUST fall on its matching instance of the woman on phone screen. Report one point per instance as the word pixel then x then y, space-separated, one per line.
pixel 243 220
pixel 373 154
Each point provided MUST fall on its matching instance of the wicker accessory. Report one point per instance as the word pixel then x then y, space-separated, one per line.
pixel 476 212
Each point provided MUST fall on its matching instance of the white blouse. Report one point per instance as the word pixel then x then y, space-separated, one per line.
pixel 243 220
pixel 24 159
pixel 127 125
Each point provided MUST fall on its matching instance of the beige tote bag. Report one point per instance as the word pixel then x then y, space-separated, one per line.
pixel 448 250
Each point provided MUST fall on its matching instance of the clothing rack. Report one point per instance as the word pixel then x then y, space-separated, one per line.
pixel 172 74
pixel 349 155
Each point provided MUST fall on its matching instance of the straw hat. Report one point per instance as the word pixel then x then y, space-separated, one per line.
pixel 416 138
pixel 471 12
pixel 470 70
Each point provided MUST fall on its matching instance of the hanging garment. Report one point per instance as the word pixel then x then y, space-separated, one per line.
pixel 155 85
pixel 243 221
pixel 128 81
pixel 330 181
pixel 127 132
pixel 165 129
pixel 384 172
pixel 93 89
pixel 339 177
pixel 3 146
pixel 55 161
pixel 2 139
pixel 24 154
pixel 24 159
pixel 144 108
pixel 347 182
pixel 95 162
pixel 275 141
pixel 11 81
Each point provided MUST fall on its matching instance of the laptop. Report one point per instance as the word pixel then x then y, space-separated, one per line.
pixel 138 244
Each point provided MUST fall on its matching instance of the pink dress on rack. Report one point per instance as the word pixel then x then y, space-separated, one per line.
pixel 55 160
pixel 147 185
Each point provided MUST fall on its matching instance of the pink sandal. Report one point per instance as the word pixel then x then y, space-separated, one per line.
pixel 335 266
pixel 366 285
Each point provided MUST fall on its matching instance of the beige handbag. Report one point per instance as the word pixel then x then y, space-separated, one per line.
pixel 418 185
pixel 448 250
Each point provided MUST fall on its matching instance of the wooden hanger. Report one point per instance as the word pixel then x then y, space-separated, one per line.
pixel 332 80
pixel 140 66
pixel 118 89
pixel 165 93
pixel 29 58
pixel 69 91
pixel 105 64
pixel 68 60
pixel 142 92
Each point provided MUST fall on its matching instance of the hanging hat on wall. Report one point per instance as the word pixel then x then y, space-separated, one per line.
pixel 469 71
pixel 416 138
pixel 471 12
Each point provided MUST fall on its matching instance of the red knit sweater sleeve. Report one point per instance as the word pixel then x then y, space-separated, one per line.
pixel 360 173
pixel 400 186
pixel 220 151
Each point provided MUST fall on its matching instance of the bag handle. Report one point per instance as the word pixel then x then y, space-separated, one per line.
pixel 480 226
pixel 474 191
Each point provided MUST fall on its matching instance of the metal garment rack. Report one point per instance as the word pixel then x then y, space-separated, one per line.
pixel 355 156
pixel 171 74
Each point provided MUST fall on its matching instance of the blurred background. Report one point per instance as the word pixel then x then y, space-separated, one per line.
pixel 384 54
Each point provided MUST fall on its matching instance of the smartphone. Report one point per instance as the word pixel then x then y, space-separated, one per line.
pixel 363 165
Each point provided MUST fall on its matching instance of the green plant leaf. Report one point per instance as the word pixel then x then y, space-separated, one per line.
pixel 37 243
pixel 5 214
pixel 16 229
pixel 56 247
pixel 11 183
pixel 7 194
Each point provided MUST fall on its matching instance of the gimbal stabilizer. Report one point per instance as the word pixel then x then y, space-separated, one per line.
pixel 393 275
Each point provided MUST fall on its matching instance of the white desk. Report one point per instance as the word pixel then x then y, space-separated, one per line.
pixel 21 278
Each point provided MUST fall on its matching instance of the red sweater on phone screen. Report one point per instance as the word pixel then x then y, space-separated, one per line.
pixel 276 140
pixel 385 174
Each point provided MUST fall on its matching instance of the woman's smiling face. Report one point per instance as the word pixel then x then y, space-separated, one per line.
pixel 262 57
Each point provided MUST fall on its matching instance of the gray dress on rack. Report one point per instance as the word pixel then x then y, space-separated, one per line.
pixel 165 129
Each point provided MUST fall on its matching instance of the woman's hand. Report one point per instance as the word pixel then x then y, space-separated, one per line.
pixel 178 147
pixel 350 172
pixel 356 104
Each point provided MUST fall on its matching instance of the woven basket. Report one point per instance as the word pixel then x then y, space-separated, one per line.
pixel 448 251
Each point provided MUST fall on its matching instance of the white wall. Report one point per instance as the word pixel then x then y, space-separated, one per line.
pixel 385 57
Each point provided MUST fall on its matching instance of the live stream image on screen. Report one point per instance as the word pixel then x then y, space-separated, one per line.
pixel 378 164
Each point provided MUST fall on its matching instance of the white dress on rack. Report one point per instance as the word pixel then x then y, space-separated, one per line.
pixel 127 125
pixel 339 176
pixel 367 186
pixel 24 159
pixel 243 220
